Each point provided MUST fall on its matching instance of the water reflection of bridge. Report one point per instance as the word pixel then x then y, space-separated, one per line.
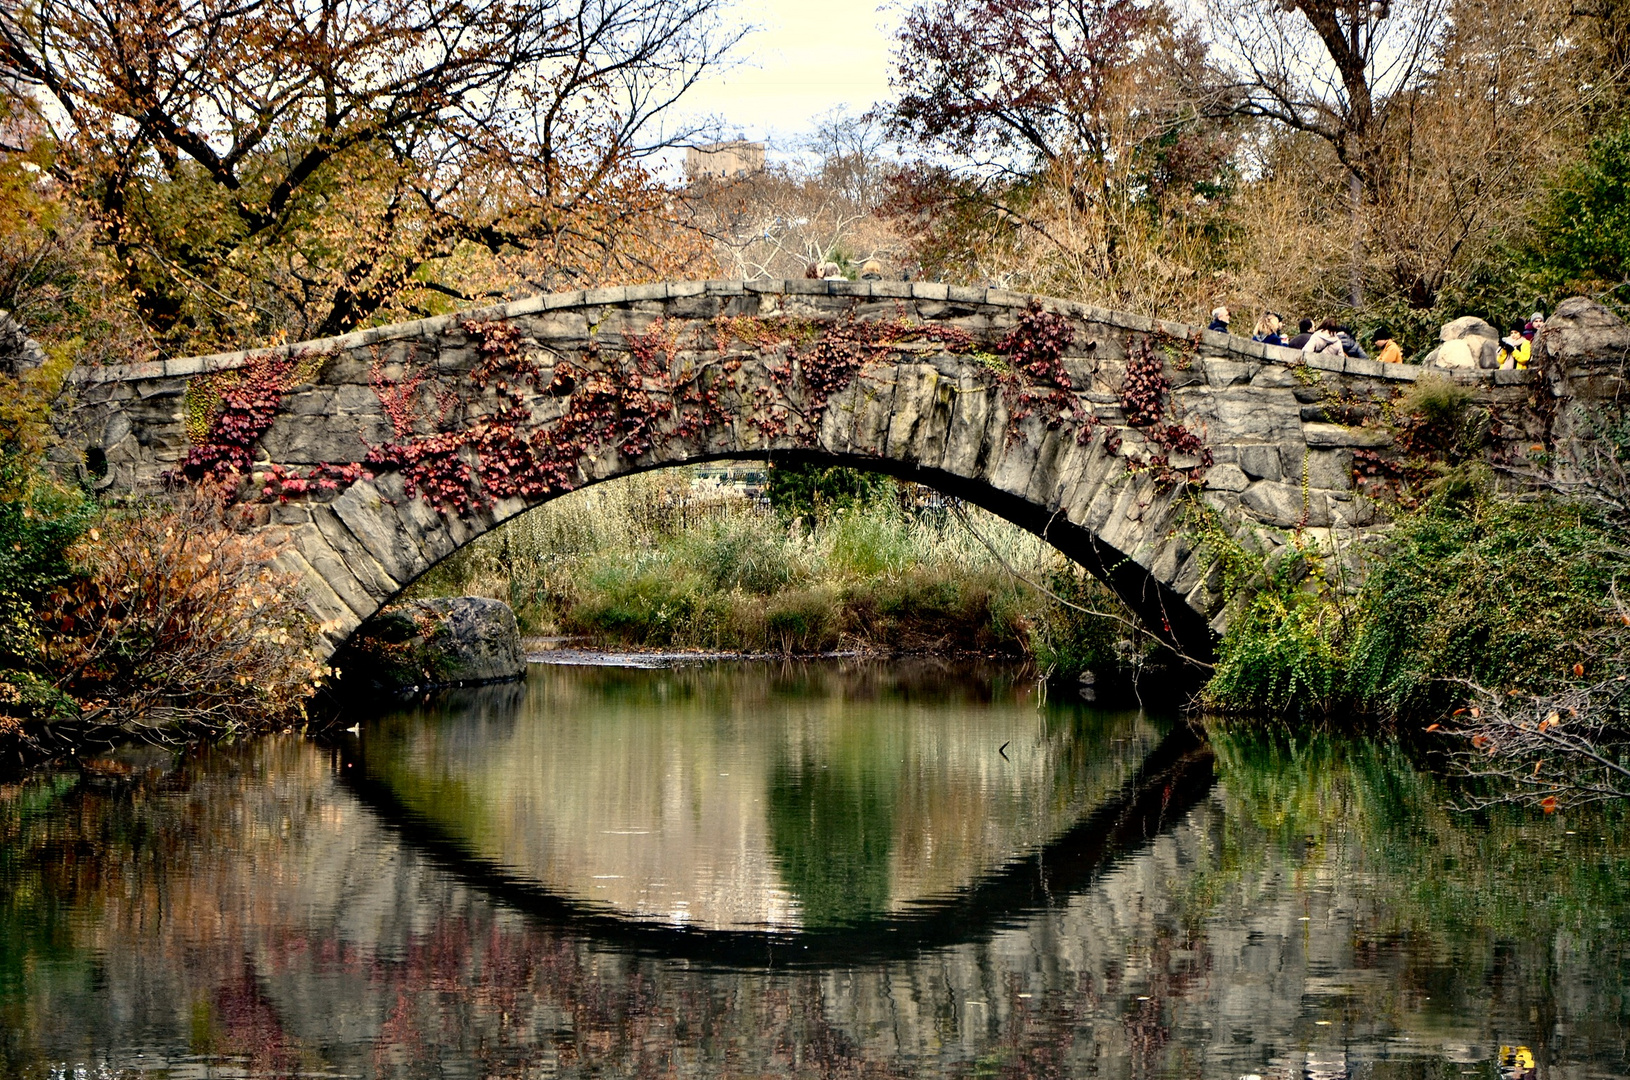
pixel 249 912
pixel 847 878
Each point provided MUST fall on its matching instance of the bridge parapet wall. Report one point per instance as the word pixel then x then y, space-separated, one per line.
pixel 1269 437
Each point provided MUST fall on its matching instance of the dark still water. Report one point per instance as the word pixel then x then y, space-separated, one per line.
pixel 840 869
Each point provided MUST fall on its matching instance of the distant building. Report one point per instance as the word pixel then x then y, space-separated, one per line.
pixel 738 157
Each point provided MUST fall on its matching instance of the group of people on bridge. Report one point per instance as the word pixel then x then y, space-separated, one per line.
pixel 1332 337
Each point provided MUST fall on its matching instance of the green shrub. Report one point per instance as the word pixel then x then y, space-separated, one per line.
pixel 740 553
pixel 1436 399
pixel 1508 594
pixel 796 489
pixel 636 602
pixel 1583 230
pixel 1066 641
pixel 802 620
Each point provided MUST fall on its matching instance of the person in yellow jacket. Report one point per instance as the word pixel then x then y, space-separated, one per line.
pixel 1386 349
pixel 1516 349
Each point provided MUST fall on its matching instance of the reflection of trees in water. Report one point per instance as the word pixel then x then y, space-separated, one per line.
pixel 246 907
pixel 832 830
pixel 744 796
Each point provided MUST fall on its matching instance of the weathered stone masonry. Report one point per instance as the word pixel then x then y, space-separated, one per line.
pixel 926 382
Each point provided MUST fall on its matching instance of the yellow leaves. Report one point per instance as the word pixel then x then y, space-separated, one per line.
pixel 96 534
pixel 1554 720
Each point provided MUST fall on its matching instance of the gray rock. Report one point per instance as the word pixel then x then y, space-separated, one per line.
pixel 18 351
pixel 460 640
pixel 1582 333
pixel 1330 469
pixel 1467 326
pixel 1281 504
pixel 1227 478
pixel 1261 462
pixel 1330 436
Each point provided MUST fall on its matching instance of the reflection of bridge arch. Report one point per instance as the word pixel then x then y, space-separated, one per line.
pixel 1079 424
pixel 1172 779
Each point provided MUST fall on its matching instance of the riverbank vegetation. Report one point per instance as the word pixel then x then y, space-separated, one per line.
pixel 830 560
pixel 153 622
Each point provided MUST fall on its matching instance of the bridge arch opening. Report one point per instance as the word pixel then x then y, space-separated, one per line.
pixel 1161 610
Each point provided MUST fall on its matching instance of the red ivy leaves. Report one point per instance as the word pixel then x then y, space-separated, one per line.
pixel 1038 381
pixel 281 482
pixel 249 402
pixel 1143 401
pixel 1143 393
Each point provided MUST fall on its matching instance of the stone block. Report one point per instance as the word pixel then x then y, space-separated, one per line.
pixel 571 299
pixel 373 578
pixel 1227 478
pixel 921 416
pixel 615 294
pixel 1329 469
pixel 1328 436
pixel 635 293
pixel 1273 377
pixel 1282 505
pixel 1224 373
pixel 369 510
pixel 891 290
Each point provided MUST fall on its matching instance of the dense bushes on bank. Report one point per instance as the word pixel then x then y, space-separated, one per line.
pixel 131 622
pixel 1467 590
pixel 659 562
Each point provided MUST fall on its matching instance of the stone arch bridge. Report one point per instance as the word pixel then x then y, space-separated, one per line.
pixel 369 457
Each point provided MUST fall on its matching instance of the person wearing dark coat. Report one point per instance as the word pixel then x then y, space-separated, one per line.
pixel 1304 330
pixel 1350 345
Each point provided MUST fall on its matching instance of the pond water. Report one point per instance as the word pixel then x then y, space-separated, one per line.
pixel 844 868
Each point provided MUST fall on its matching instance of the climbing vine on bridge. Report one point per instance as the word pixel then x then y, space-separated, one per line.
pixel 1145 401
pixel 1035 379
pixel 522 422
pixel 227 412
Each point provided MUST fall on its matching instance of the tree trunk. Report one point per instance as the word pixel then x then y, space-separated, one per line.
pixel 1355 199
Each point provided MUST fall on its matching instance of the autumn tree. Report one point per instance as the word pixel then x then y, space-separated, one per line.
pixel 819 206
pixel 1065 138
pixel 301 167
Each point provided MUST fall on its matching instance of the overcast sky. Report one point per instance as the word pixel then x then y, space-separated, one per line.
pixel 807 58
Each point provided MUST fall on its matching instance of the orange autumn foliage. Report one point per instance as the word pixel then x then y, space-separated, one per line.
pixel 179 624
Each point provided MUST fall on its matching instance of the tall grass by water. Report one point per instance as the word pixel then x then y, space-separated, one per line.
pixel 666 560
